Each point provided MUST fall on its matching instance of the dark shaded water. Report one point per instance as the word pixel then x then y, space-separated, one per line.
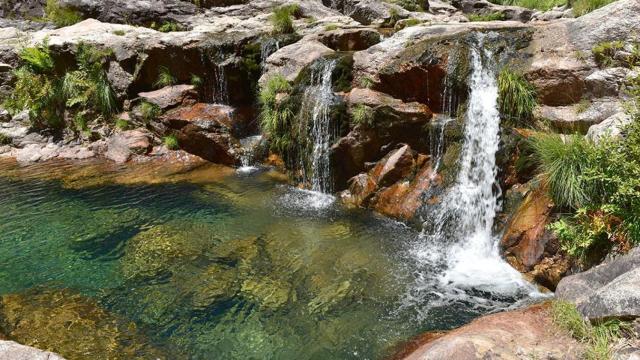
pixel 210 264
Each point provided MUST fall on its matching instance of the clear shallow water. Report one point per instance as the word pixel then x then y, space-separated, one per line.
pixel 212 263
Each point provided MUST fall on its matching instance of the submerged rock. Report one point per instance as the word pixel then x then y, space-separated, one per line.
pixel 269 293
pixel 71 325
pixel 520 334
pixel 609 290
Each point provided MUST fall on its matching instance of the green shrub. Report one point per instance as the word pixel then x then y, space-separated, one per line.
pixel 281 19
pixel 582 7
pixel 362 115
pixel 149 111
pixel 275 117
pixel 411 5
pixel 563 161
pixel 517 97
pixel 61 16
pixel 165 78
pixel 122 124
pixel 171 142
pixel 119 32
pixel 88 87
pixel 487 17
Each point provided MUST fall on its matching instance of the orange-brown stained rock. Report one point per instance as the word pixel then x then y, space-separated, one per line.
pixel 523 237
pixel 520 334
pixel 402 199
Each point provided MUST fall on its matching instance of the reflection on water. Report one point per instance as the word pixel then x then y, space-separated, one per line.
pixel 203 262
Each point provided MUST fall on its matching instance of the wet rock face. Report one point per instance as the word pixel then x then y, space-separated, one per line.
pixel 389 122
pixel 528 333
pixel 609 290
pixel 71 325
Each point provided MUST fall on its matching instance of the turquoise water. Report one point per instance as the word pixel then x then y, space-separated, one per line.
pixel 211 264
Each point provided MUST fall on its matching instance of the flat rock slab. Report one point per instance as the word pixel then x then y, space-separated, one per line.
pixel 521 334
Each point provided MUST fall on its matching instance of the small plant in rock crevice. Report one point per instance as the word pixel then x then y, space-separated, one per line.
pixel 171 142
pixel 149 111
pixel 494 16
pixel 517 97
pixel 598 338
pixel 362 115
pixel 282 18
pixel 165 78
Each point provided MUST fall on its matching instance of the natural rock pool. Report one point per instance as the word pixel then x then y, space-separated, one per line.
pixel 151 261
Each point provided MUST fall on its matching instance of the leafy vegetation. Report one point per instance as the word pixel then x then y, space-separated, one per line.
pixel 59 15
pixel 165 78
pixel 612 53
pixel 411 5
pixel 600 183
pixel 487 17
pixel 122 124
pixel 281 18
pixel 119 32
pixel 598 338
pixel 196 81
pixel 4 139
pixel 275 116
pixel 47 95
pixel 517 97
pixel 171 142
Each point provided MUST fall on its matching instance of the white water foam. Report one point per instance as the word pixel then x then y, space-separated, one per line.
pixel 458 250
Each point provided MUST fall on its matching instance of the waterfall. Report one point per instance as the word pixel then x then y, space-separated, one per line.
pixel 248 153
pixel 437 141
pixel 220 91
pixel 267 48
pixel 317 102
pixel 458 249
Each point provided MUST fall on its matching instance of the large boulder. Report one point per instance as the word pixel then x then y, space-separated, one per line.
pixel 609 290
pixel 611 127
pixel 578 118
pixel 520 334
pixel 523 239
pixel 290 60
pixel 395 186
pixel 10 350
pixel 171 96
pixel 206 130
pixel 122 146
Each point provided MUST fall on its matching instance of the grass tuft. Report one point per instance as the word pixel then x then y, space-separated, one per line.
pixel 563 161
pixel 582 7
pixel 165 78
pixel 362 115
pixel 494 16
pixel 149 111
pixel 282 19
pixel 171 142
pixel 517 97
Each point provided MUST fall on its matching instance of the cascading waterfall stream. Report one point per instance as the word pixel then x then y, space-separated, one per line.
pixel 458 243
pixel 319 98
